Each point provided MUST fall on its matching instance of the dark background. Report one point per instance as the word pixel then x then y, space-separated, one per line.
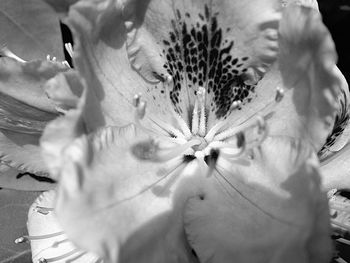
pixel 336 16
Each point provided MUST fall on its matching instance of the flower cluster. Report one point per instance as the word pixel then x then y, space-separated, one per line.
pixel 183 131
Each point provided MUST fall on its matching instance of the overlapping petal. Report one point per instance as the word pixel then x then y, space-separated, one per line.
pixel 25 110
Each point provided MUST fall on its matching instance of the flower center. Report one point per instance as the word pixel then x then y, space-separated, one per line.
pixel 193 138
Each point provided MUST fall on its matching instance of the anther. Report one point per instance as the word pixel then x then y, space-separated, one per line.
pixel 42 260
pixel 279 94
pixel 136 100
pixel 21 240
pixel 140 106
pixel 65 62
pixel 236 104
pixel 168 79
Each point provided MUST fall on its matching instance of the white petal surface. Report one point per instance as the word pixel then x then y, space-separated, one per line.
pixel 262 210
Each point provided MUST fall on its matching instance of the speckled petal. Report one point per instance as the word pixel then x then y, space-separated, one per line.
pixel 166 50
pixel 47 239
pixel 260 210
pixel 24 110
pixel 209 44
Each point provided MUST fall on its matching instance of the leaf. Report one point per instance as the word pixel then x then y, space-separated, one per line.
pixel 14 206
pixel 30 29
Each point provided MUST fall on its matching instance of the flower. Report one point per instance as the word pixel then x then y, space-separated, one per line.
pixel 191 130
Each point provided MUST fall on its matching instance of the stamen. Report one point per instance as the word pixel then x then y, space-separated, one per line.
pixel 24 239
pixel 8 53
pixel 258 120
pixel 199 122
pixel 201 102
pixel 66 63
pixel 195 119
pixel 53 59
pixel 279 94
pixel 182 124
pixel 150 151
pixel 212 132
pixel 140 111
pixel 47 260
pixel 136 100
pixel 169 129
pixel 229 150
pixel 69 49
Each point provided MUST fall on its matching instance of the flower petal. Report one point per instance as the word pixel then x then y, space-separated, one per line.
pixel 25 110
pixel 115 40
pixel 262 210
pixel 307 72
pixel 208 44
pixel 11 178
pixel 136 214
pixel 47 239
